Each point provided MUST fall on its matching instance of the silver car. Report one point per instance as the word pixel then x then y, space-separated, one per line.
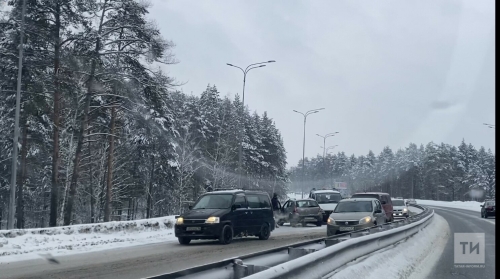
pixel 303 211
pixel 355 214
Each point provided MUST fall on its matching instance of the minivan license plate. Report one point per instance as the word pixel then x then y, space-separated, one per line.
pixel 346 228
pixel 193 229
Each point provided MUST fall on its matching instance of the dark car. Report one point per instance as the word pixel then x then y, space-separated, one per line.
pixel 488 209
pixel 385 200
pixel 301 211
pixel 224 214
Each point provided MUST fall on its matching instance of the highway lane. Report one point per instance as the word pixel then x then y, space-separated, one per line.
pixel 465 221
pixel 152 259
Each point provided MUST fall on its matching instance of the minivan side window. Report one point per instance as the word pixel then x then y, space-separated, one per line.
pixel 264 201
pixel 253 201
pixel 240 200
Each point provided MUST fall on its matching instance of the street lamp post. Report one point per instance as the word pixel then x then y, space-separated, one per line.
pixel 324 142
pixel 240 147
pixel 304 142
pixel 326 152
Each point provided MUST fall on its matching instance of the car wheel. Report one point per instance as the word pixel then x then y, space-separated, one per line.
pixel 304 224
pixel 184 240
pixel 319 223
pixel 264 232
pixel 486 215
pixel 226 235
pixel 293 224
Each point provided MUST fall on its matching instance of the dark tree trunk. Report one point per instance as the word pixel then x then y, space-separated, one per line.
pixel 83 126
pixel 22 178
pixel 54 192
pixel 91 186
pixel 150 189
pixel 109 176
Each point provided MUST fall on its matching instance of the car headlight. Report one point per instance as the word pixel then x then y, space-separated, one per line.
pixel 212 220
pixel 365 220
pixel 179 221
pixel 405 209
pixel 330 221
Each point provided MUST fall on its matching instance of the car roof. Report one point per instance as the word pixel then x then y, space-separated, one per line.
pixel 358 199
pixel 372 193
pixel 235 191
pixel 325 191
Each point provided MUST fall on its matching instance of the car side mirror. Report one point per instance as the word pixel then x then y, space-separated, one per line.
pixel 482 205
pixel 190 207
pixel 377 211
pixel 235 206
pixel 384 202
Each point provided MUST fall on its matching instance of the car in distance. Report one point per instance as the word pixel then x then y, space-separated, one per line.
pixel 400 208
pixel 384 199
pixel 488 209
pixel 303 211
pixel 411 201
pixel 327 200
pixel 355 214
pixel 224 214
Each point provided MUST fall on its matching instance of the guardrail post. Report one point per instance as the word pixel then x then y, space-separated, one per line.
pixel 239 269
pixel 330 242
pixel 299 252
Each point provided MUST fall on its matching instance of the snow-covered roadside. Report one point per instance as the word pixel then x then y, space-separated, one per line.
pixel 413 258
pixel 468 205
pixel 26 244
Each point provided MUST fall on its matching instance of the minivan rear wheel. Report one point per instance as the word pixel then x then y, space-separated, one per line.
pixel 264 232
pixel 226 235
pixel 184 240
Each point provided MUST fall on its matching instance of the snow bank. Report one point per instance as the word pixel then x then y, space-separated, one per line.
pixel 413 258
pixel 468 205
pixel 29 243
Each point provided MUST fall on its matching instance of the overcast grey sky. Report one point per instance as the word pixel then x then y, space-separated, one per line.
pixel 387 72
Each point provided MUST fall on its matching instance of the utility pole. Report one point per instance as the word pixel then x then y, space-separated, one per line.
pixel 12 200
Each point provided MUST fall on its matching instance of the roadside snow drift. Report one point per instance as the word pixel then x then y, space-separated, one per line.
pixel 413 258
pixel 31 243
pixel 468 205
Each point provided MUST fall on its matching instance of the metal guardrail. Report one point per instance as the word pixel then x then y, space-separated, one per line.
pixel 318 257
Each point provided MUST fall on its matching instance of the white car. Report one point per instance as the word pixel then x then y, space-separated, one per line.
pixel 411 201
pixel 400 208
pixel 327 200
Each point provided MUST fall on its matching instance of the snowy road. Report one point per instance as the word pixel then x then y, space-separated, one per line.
pixel 152 259
pixel 465 221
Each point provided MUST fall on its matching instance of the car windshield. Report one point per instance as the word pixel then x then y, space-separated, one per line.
pixel 354 206
pixel 328 197
pixel 214 202
pixel 398 202
pixel 307 204
pixel 490 203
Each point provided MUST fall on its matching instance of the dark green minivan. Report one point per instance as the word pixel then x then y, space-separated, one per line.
pixel 225 214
